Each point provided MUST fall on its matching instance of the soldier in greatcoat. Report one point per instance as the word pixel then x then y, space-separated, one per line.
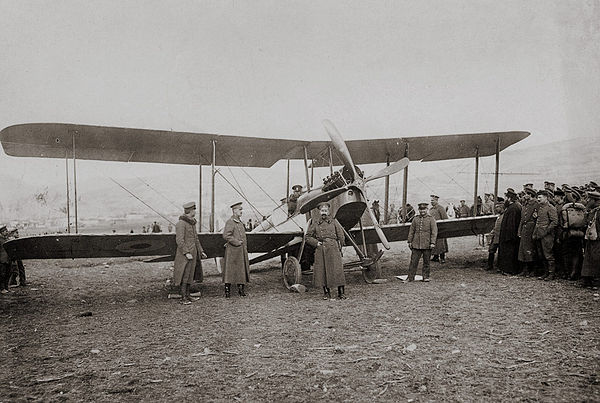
pixel 495 234
pixel 4 261
pixel 326 235
pixel 189 251
pixel 591 258
pixel 543 233
pixel 441 244
pixel 508 249
pixel 421 239
pixel 527 248
pixel 236 267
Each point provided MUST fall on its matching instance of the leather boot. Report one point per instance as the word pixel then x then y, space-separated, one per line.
pixel 341 294
pixel 227 290
pixel 545 274
pixel 442 258
pixel 490 262
pixel 525 271
pixel 551 271
pixel 326 293
pixel 184 294
pixel 241 290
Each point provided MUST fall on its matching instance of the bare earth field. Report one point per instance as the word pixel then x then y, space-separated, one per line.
pixel 467 336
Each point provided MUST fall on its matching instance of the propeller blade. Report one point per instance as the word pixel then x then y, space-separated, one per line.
pixel 378 229
pixel 340 145
pixel 310 202
pixel 390 170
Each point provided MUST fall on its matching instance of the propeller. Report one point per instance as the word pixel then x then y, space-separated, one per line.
pixel 390 170
pixel 357 182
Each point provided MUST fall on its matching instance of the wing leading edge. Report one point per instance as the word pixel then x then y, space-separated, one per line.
pixel 55 140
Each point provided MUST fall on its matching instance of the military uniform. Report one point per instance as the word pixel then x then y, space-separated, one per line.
pixel 527 248
pixel 187 241
pixel 236 267
pixel 421 235
pixel 4 264
pixel 494 242
pixel 328 271
pixel 508 249
pixel 441 244
pixel 591 259
pixel 543 234
pixel 292 203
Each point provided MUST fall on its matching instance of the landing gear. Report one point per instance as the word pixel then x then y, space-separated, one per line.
pixel 292 272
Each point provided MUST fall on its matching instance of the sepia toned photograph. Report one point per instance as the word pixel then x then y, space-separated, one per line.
pixel 299 201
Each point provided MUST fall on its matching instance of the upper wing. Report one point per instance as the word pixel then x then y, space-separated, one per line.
pixel 451 228
pixel 55 140
pixel 96 246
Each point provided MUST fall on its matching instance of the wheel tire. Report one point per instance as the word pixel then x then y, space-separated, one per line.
pixel 291 271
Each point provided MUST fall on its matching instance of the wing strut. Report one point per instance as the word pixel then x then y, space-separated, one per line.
pixel 75 181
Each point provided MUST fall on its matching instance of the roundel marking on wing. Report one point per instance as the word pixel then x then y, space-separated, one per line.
pixel 147 245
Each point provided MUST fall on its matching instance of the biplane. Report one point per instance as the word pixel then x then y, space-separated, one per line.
pixel 280 234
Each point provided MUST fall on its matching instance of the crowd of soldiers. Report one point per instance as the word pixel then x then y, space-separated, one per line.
pixel 549 233
pixel 11 270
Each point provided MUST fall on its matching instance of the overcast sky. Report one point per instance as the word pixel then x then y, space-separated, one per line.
pixel 278 68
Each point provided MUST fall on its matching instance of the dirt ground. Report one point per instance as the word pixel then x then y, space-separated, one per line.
pixel 469 335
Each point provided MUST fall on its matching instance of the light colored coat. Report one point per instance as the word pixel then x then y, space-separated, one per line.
pixel 236 267
pixel 441 244
pixel 328 268
pixel 187 241
pixel 423 232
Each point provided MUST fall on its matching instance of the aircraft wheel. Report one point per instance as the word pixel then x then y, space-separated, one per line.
pixel 292 273
pixel 370 273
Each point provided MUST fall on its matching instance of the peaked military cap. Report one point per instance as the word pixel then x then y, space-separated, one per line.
pixel 434 196
pixel 592 195
pixel 323 204
pixel 559 192
pixel 543 192
pixel 189 205
pixel 594 185
pixel 423 206
pixel 236 205
pixel 531 191
pixel 510 191
pixel 297 187
pixel 528 186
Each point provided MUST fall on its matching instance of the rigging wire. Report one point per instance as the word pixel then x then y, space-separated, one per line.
pixel 159 193
pixel 146 204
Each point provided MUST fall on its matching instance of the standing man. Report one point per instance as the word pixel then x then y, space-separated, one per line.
pixel 495 241
pixel 527 247
pixel 326 235
pixel 463 210
pixel 292 201
pixel 189 251
pixel 488 205
pixel 591 259
pixel 376 210
pixel 236 267
pixel 421 240
pixel 4 261
pixel 508 249
pixel 543 233
pixel 441 244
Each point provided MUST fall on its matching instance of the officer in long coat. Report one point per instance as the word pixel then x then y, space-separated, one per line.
pixel 543 233
pixel 591 259
pixel 189 251
pixel 527 248
pixel 236 267
pixel 421 239
pixel 4 261
pixel 441 244
pixel 508 249
pixel 326 235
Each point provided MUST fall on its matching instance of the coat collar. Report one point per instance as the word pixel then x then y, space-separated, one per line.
pixel 188 220
pixel 322 220
pixel 236 220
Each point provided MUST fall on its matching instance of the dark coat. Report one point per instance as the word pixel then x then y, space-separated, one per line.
pixel 328 268
pixel 187 242
pixel 441 244
pixel 591 259
pixel 508 249
pixel 527 224
pixel 236 267
pixel 422 232
pixel 3 254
